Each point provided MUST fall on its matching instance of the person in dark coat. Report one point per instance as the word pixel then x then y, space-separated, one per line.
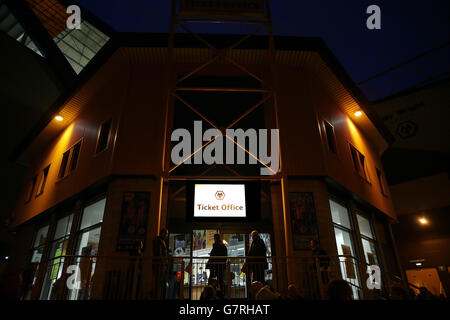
pixel 257 266
pixel 216 266
pixel 160 264
pixel 339 290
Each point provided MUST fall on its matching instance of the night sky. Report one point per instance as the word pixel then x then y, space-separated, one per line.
pixel 408 29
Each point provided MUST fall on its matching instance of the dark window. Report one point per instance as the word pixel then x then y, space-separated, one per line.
pixel 331 139
pixel 355 158
pixel 103 136
pixel 43 180
pixel 75 154
pixel 359 162
pixel 31 190
pixel 72 154
pixel 381 181
pixel 65 160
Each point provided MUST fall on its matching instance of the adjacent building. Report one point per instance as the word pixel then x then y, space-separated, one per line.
pixel 418 175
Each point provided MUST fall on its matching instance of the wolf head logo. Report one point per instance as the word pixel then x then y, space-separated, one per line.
pixel 220 195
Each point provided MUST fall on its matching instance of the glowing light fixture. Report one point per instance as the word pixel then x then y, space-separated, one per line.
pixel 423 221
pixel 418 264
pixel 59 118
pixel 358 113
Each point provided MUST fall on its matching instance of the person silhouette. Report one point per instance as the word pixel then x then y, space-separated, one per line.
pixel 217 265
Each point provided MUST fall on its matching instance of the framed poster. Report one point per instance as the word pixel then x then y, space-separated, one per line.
pixel 303 219
pixel 371 258
pixel 133 221
pixel 349 267
pixel 199 239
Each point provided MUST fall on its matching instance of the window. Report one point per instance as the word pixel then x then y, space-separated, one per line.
pixel 103 136
pixel 367 239
pixel 381 181
pixel 43 181
pixel 331 138
pixel 344 235
pixel 75 154
pixel 65 160
pixel 359 162
pixel 88 239
pixel 72 154
pixel 339 215
pixel 80 46
pixel 56 258
pixel 31 189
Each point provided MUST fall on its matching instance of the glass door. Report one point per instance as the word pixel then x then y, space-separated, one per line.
pixel 235 243
pixel 202 243
pixel 179 277
pixel 194 250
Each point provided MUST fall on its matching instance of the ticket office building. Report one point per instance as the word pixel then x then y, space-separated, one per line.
pixel 101 179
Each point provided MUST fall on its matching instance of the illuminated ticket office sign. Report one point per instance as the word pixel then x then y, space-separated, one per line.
pixel 219 201
pixel 222 8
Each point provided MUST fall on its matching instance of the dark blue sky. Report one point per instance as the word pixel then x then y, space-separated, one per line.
pixel 408 28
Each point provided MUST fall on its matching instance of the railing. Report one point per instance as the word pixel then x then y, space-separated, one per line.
pixel 185 277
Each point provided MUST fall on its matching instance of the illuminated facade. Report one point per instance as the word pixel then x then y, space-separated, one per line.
pixel 101 179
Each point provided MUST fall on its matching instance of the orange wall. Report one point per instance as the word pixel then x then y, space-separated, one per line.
pixel 300 140
pixel 303 105
pixel 139 144
pixel 134 96
pixel 90 168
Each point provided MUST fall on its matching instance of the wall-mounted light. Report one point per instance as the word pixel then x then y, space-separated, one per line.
pixel 417 262
pixel 59 118
pixel 358 113
pixel 423 221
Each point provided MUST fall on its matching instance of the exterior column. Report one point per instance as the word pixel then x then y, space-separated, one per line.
pixel 279 231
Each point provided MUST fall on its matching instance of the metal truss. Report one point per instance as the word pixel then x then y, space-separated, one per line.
pixel 263 22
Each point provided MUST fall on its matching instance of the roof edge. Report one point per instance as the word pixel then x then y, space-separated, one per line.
pixel 95 64
pixel 334 64
pixel 412 90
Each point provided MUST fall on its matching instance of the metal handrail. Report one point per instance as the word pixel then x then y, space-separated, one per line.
pixel 203 257
pixel 137 262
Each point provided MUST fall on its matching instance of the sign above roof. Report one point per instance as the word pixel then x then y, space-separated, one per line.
pixel 222 8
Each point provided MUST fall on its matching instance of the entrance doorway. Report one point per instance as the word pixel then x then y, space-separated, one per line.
pixel 191 251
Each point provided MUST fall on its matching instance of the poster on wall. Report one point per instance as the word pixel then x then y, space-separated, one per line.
pixel 133 221
pixel 371 259
pixel 349 267
pixel 56 263
pixel 303 219
pixel 199 239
